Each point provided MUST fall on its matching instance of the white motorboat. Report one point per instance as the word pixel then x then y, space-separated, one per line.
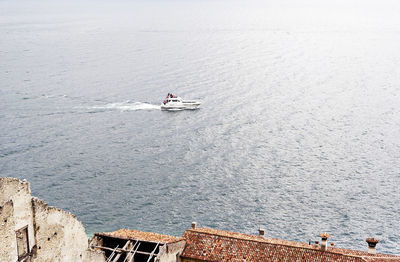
pixel 176 103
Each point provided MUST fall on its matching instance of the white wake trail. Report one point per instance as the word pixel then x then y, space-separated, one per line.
pixel 127 106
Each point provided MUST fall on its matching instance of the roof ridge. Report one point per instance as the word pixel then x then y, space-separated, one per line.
pixel 208 233
pixel 141 236
pixel 262 240
pixel 128 229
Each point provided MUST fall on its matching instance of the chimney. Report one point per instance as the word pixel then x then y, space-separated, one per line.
pixel 372 244
pixel 194 225
pixel 261 231
pixel 324 237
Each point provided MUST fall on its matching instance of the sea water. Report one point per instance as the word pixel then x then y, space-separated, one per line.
pixel 298 133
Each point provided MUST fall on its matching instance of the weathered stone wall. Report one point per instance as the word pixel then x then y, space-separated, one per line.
pixel 8 243
pixel 60 236
pixel 53 234
pixel 171 252
pixel 20 195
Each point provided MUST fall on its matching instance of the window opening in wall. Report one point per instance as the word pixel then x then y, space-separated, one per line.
pixel 22 243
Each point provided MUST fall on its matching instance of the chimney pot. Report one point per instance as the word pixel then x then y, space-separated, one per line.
pixel 261 231
pixel 324 237
pixel 194 225
pixel 372 244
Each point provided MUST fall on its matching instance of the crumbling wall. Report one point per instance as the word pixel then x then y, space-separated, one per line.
pixel 170 252
pixel 60 236
pixel 8 243
pixel 20 194
pixel 52 234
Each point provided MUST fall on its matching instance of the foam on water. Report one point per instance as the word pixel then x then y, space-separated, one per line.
pixel 126 106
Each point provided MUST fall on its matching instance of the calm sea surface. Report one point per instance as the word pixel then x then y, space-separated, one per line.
pixel 299 130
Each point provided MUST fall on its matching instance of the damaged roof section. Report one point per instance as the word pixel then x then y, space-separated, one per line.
pixel 212 245
pixel 126 245
pixel 140 235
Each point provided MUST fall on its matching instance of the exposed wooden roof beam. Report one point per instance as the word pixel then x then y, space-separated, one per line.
pixel 152 253
pixel 119 254
pixel 112 254
pixel 129 255
pixel 120 250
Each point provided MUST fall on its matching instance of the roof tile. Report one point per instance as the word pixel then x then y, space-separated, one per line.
pixel 217 245
pixel 144 236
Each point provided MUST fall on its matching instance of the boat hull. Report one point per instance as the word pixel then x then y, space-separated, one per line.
pixel 176 103
pixel 172 108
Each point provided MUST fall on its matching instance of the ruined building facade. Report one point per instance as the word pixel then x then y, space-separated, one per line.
pixel 30 230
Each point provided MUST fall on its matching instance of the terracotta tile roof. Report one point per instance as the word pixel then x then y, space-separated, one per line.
pixel 216 245
pixel 248 237
pixel 140 235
